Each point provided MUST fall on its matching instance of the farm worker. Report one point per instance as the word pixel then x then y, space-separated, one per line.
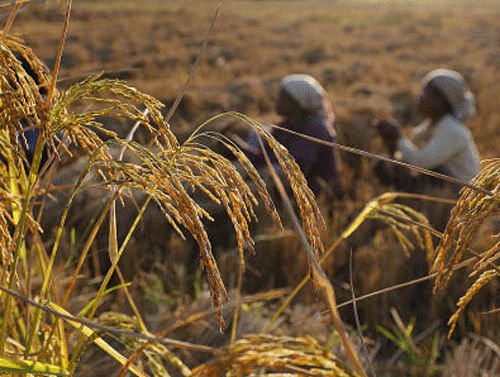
pixel 442 142
pixel 305 108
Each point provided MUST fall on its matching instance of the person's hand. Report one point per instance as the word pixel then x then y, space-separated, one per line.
pixel 390 131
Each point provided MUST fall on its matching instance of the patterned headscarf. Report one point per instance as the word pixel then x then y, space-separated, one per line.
pixel 453 88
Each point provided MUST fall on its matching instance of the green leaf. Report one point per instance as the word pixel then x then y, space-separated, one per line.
pixel 29 366
pixel 387 334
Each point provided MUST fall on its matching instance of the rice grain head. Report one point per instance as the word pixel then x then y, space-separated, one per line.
pixel 404 222
pixel 471 211
pixel 270 354
pixel 154 355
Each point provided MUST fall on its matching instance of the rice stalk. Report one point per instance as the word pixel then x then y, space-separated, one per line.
pixel 114 266
pixel 94 337
pixel 273 354
pixel 172 173
pixel 403 221
pixel 12 15
pixel 57 65
pixel 20 99
pixel 192 70
pixel 169 173
pixel 471 211
pixel 154 354
pixel 173 169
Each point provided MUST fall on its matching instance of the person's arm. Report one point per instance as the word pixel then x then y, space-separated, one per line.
pixel 442 146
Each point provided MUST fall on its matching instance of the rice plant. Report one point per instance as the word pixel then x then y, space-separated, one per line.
pixel 168 172
pixel 266 355
pixel 472 210
pixel 34 334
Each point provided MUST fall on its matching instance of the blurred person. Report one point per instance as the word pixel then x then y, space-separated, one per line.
pixel 28 137
pixel 305 108
pixel 441 143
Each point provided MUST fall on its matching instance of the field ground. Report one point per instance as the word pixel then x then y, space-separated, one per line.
pixel 369 55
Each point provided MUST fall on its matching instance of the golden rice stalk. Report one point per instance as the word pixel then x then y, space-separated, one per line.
pixel 171 173
pixel 270 355
pixel 155 355
pixel 20 96
pixel 489 258
pixel 174 173
pixel 471 210
pixel 404 221
pixel 484 279
pixel 107 98
pixel 311 219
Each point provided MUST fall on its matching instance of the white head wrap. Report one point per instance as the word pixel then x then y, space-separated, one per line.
pixel 306 90
pixel 452 86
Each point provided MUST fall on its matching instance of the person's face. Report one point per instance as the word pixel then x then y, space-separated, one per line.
pixel 431 103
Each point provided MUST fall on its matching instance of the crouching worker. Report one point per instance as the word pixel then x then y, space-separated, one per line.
pixel 441 143
pixel 304 107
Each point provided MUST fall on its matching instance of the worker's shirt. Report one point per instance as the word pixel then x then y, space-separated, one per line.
pixel 448 144
pixel 315 160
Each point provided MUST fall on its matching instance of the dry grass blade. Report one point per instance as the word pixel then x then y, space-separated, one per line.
pixel 12 15
pixel 57 65
pixel 465 263
pixel 356 318
pixel 471 211
pixel 273 354
pixel 182 91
